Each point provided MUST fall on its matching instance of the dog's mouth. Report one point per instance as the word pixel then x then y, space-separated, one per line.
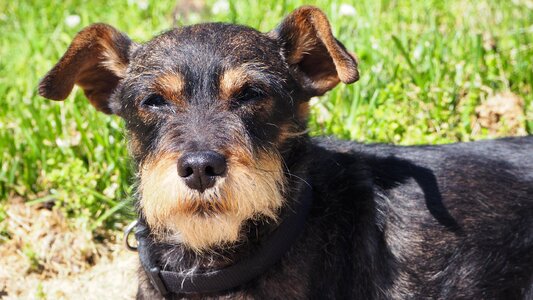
pixel 204 204
pixel 207 210
pixel 201 219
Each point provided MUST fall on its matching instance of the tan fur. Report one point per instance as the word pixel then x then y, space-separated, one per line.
pixel 303 110
pixel 110 56
pixel 215 217
pixel 288 130
pixel 170 85
pixel 232 81
pixel 345 63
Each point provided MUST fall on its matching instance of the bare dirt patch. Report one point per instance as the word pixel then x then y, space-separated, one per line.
pixel 502 114
pixel 47 258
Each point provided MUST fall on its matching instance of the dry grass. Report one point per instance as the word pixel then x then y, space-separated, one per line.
pixel 46 257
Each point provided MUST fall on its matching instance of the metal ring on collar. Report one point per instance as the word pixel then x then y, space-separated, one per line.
pixel 127 232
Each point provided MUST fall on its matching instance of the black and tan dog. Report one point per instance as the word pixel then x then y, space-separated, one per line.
pixel 235 200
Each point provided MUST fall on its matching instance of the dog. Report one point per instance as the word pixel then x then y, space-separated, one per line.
pixel 235 200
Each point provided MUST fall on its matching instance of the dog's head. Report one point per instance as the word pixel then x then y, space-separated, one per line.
pixel 209 109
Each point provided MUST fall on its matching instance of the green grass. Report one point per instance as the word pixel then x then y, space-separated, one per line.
pixel 425 66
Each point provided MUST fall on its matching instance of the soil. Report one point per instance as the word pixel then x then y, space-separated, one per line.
pixel 502 114
pixel 46 258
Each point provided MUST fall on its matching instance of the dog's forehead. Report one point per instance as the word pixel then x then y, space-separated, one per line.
pixel 211 44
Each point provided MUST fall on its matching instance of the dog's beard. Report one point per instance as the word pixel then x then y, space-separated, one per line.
pixel 176 213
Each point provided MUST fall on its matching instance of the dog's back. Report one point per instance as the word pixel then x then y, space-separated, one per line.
pixel 449 222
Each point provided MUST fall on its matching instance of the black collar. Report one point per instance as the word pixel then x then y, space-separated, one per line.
pixel 270 251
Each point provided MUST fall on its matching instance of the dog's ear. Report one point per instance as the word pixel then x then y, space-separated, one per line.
pixel 319 61
pixel 96 60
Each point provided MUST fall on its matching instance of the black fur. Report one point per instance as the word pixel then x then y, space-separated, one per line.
pixel 433 222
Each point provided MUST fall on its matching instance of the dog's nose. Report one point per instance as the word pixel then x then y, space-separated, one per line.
pixel 200 169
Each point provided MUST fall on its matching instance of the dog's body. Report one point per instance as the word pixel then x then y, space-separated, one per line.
pixel 216 116
pixel 430 222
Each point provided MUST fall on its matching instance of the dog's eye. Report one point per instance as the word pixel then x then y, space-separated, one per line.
pixel 154 101
pixel 249 94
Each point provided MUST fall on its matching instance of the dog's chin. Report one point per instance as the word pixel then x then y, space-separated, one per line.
pixel 214 218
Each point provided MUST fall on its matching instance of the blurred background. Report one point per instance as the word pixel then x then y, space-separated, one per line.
pixel 432 72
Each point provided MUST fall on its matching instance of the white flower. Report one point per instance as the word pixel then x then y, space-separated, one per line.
pixel 72 20
pixel 376 69
pixel 220 6
pixel 314 101
pixel 347 10
pixel 111 190
pixel 142 4
pixel 417 53
pixel 62 143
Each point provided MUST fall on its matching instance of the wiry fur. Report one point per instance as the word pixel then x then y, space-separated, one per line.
pixel 179 214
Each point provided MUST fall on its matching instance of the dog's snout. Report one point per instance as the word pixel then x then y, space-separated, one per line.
pixel 200 169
